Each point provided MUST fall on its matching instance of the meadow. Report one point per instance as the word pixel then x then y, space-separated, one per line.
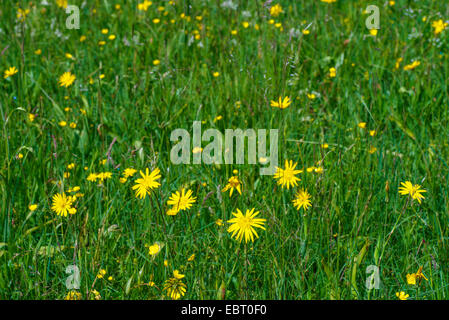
pixel 92 207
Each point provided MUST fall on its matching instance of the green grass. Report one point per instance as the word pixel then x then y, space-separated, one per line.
pixel 322 253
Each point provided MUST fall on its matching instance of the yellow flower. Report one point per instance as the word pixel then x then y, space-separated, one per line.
pixel 329 1
pixel 373 32
pixel 181 201
pixel 31 117
pixel 175 288
pixel 104 175
pixel 413 190
pixel 62 123
pixel 66 79
pixel 172 212
pixel 243 225
pixel 38 52
pixel 92 177
pixel 112 37
pixel 281 104
pixel 154 249
pixel 32 207
pixel 302 200
pixel 82 38
pixel 101 273
pixel 219 222
pixel 73 295
pixel 245 24
pixel 305 32
pixel 96 294
pixel 311 96
pixel 276 10
pixel 233 183
pixel 362 125
pixel 191 258
pixel 439 26
pixel 332 72
pixel 144 5
pixel 22 14
pixel 147 183
pixel 104 31
pixel 62 205
pixel 412 66
pixel 411 278
pixel 372 149
pixel 401 295
pixel 156 62
pixel 156 20
pixel 10 72
pixel 61 3
pixel 129 172
pixel 287 176
pixel 372 133
pixel 420 275
pixel 178 275
pixel 216 74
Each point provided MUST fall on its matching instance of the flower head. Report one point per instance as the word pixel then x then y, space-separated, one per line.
pixel 62 205
pixel 302 199
pixel 233 183
pixel 438 26
pixel 276 10
pixel 10 72
pixel 154 249
pixel 281 104
pixel 401 295
pixel 147 183
pixel 66 79
pixel 243 225
pixel 412 66
pixel 181 200
pixel 411 278
pixel 287 176
pixel 413 190
pixel 73 295
pixel 175 288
